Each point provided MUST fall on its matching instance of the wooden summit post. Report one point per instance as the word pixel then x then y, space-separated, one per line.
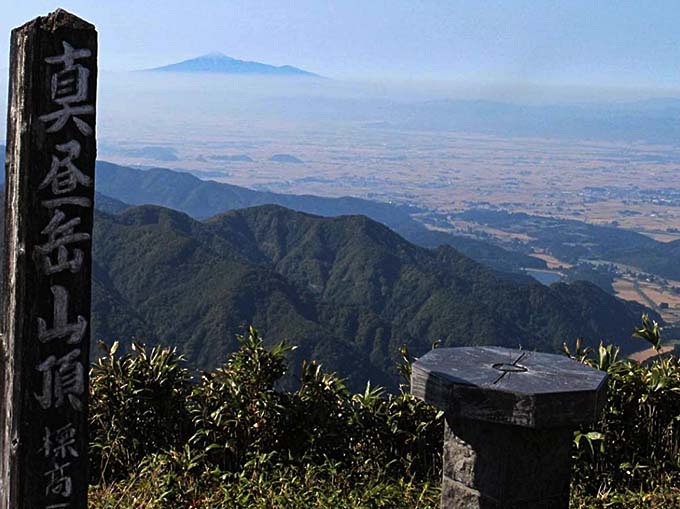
pixel 49 191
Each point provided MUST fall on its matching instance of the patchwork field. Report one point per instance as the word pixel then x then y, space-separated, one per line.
pixel 652 294
pixel 628 185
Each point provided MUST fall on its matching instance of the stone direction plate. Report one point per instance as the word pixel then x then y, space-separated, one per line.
pixel 512 386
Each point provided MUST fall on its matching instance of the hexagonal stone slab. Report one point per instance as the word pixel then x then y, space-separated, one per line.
pixel 503 385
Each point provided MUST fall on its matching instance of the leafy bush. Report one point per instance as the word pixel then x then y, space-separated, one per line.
pixel 399 435
pixel 234 432
pixel 232 438
pixel 636 443
pixel 236 409
pixel 137 407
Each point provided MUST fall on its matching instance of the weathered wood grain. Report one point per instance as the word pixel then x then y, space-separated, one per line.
pixel 49 184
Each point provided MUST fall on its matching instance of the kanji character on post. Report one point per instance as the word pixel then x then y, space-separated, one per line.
pixel 62 378
pixel 64 175
pixel 58 480
pixel 60 326
pixel 69 88
pixel 59 236
pixel 60 443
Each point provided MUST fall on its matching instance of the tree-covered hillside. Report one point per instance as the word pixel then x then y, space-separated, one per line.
pixel 205 198
pixel 121 186
pixel 348 290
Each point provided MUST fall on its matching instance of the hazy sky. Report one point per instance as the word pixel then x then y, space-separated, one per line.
pixel 622 43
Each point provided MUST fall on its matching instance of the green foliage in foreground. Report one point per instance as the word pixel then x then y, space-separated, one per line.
pixel 663 497
pixel 232 439
pixel 632 454
pixel 171 480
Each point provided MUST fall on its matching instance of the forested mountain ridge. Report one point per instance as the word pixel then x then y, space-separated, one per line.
pixel 347 290
pixel 118 186
pixel 204 198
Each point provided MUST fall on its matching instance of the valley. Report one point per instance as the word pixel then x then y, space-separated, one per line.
pixel 612 165
pixel 661 295
pixel 515 201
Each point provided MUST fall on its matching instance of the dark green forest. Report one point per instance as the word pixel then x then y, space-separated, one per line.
pixel 204 198
pixel 348 291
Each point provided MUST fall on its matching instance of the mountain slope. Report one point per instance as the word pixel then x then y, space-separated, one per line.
pixel 347 290
pixel 219 63
pixel 204 198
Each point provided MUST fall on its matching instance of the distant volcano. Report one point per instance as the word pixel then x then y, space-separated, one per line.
pixel 222 64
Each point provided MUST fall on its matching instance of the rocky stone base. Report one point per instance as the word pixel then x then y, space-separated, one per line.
pixel 499 466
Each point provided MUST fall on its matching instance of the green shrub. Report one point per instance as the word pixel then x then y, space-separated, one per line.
pixel 237 410
pixel 137 407
pixel 316 418
pixel 397 433
pixel 232 438
pixel 636 443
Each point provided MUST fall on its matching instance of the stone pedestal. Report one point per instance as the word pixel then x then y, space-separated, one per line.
pixel 510 417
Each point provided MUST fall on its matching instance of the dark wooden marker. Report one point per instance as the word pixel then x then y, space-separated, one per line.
pixel 49 192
